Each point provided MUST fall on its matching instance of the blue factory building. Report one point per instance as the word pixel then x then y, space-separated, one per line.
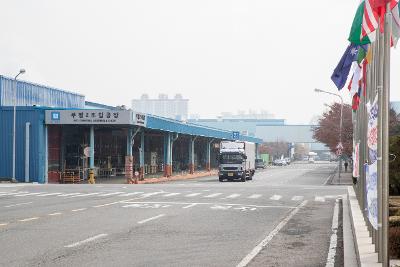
pixel 60 136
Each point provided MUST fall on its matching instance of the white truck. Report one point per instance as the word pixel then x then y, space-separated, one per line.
pixel 236 160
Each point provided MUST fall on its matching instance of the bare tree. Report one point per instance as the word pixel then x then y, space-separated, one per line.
pixel 328 132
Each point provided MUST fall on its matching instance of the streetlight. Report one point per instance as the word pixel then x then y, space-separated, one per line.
pixel 341 122
pixel 21 71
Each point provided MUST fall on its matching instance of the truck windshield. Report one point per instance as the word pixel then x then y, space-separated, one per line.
pixel 231 159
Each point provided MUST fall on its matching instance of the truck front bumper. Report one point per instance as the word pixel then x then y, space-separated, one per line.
pixel 230 174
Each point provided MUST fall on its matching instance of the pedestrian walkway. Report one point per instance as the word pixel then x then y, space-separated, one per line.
pixel 346 178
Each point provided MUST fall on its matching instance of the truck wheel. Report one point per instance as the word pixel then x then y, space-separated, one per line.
pixel 243 179
pixel 221 179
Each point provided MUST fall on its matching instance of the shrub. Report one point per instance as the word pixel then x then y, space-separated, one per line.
pixel 394 242
pixel 394 221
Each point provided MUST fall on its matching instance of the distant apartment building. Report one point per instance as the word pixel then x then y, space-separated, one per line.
pixel 174 108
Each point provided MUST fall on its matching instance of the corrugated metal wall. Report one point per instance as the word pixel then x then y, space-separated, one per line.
pixel 36 148
pixel 29 94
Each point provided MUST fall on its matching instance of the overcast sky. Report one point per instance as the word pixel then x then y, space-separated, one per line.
pixel 224 55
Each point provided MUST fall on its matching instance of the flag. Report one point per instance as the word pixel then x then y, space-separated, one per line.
pixel 374 15
pixel 370 19
pixel 355 31
pixel 356 101
pixel 342 70
pixel 395 25
pixel 355 81
pixel 362 53
pixel 368 56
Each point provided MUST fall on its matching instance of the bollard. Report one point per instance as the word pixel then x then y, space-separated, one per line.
pixel 91 177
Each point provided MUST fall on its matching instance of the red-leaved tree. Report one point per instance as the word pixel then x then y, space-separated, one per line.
pixel 327 131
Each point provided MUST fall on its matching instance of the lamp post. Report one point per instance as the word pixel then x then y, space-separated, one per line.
pixel 21 71
pixel 340 125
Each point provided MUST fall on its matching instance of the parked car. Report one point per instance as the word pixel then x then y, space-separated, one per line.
pixel 287 160
pixel 260 164
pixel 311 160
pixel 279 162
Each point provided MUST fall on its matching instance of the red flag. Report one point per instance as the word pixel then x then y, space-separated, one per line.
pixel 356 102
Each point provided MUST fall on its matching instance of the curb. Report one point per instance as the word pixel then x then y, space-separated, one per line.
pixel 365 250
pixel 177 177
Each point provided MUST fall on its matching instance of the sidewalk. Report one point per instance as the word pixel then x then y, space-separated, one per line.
pixel 345 178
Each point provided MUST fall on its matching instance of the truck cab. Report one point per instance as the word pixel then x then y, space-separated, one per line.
pixel 236 160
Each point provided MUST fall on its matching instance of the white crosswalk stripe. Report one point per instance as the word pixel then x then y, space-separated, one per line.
pixel 233 196
pixel 213 195
pixel 151 194
pixel 69 194
pixel 171 194
pixel 275 197
pixel 49 194
pixel 319 199
pixel 85 195
pixel 130 194
pixel 30 194
pixel 255 196
pixel 13 193
pixel 193 194
pixel 297 198
pixel 111 194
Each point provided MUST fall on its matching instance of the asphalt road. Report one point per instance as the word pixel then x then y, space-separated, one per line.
pixel 283 217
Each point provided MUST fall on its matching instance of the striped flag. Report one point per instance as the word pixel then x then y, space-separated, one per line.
pixel 374 16
pixel 370 21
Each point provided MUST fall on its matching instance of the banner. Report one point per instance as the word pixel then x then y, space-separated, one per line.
pixel 372 195
pixel 372 134
pixel 356 157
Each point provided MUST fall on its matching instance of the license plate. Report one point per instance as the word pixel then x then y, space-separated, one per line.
pixel 230 173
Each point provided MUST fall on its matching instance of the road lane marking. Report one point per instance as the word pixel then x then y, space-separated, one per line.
pixel 171 194
pixel 193 194
pixel 255 196
pixel 85 241
pixel 54 214
pixel 19 204
pixel 3 224
pixel 29 194
pixel 213 195
pixel 13 193
pixel 275 197
pixel 246 260
pixel 189 206
pixel 69 194
pixel 151 194
pixel 233 196
pixel 28 219
pixel 81 209
pixel 330 261
pixel 108 204
pixel 297 198
pixel 130 194
pixel 202 203
pixel 85 195
pixel 49 194
pixel 319 199
pixel 111 194
pixel 150 219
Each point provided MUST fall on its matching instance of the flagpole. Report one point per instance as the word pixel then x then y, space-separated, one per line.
pixel 385 135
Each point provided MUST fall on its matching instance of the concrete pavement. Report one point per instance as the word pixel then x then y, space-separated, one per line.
pixel 198 222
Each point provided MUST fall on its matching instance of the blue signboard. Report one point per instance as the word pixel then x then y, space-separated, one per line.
pixel 235 135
